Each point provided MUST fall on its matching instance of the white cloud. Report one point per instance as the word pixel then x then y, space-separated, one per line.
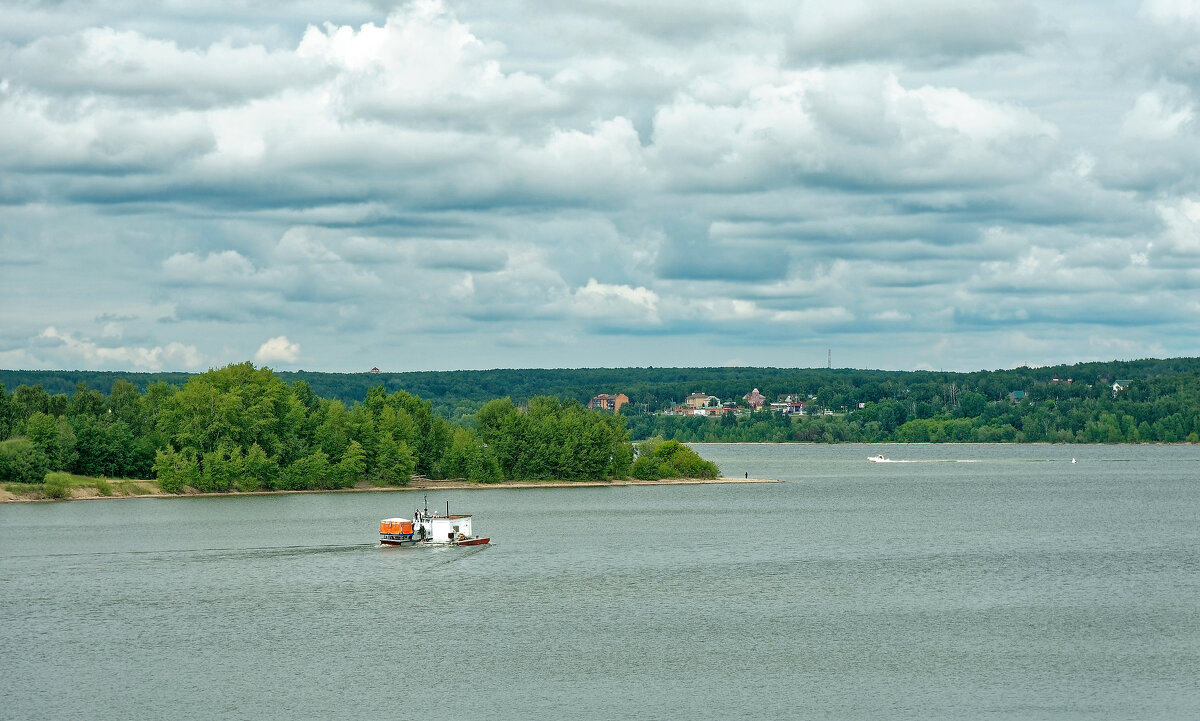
pixel 1170 12
pixel 219 268
pixel 1155 118
pixel 173 355
pixel 1182 225
pixel 278 349
pixel 422 63
pixel 850 127
pixel 616 303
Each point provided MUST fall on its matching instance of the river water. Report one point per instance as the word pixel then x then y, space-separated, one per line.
pixel 965 581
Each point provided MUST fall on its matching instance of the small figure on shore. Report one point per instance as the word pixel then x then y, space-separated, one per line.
pixel 747 475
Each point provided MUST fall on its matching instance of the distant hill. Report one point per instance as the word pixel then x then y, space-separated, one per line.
pixel 456 394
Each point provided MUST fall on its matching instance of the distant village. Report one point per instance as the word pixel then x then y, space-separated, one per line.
pixel 790 404
pixel 702 404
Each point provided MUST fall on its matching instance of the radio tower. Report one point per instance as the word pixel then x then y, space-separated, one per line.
pixel 829 358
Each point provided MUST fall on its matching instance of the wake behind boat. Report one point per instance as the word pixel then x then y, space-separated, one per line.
pixel 429 529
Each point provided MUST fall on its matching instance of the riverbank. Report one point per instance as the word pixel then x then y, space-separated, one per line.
pixel 149 489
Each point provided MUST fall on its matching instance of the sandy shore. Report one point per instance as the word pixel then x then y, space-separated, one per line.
pixel 147 489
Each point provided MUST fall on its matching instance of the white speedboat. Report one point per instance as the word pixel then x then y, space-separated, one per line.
pixel 879 458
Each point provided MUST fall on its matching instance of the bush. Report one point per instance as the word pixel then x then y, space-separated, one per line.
pixel 670 459
pixel 22 461
pixel 58 485
pixel 103 487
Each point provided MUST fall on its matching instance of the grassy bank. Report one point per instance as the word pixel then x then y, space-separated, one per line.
pixel 65 486
pixel 60 485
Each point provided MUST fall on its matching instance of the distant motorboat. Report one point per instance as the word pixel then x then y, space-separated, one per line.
pixel 879 458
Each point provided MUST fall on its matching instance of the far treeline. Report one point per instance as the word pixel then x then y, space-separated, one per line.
pixel 1158 400
pixel 243 428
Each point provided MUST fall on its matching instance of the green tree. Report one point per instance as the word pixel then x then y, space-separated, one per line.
pixel 85 402
pixel 312 472
pixel 259 470
pixel 468 458
pixel 43 430
pixel 175 470
pixel 353 466
pixel 394 463
pixel 8 414
pixel 22 461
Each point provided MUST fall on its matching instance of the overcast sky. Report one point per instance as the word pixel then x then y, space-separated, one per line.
pixel 900 184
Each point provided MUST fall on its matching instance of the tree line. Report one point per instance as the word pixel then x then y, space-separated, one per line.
pixel 243 428
pixel 1013 407
pixel 459 395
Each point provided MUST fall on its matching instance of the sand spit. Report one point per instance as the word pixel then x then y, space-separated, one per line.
pixel 87 493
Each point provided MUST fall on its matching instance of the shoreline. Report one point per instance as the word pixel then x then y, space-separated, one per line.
pixel 90 493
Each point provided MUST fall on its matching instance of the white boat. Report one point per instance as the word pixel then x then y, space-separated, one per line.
pixel 878 458
pixel 429 529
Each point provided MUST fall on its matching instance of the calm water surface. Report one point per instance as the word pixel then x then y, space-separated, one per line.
pixel 968 581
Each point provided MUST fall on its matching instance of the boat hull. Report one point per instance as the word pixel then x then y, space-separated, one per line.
pixel 411 542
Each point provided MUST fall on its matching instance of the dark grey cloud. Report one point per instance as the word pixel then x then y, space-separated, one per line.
pixel 916 31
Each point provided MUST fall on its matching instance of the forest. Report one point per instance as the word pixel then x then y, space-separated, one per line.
pixel 246 428
pixel 243 428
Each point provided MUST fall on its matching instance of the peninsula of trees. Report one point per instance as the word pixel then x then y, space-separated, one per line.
pixel 243 428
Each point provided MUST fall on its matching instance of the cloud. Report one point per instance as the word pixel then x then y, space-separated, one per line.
pixel 422 65
pixel 476 183
pixel 925 31
pixel 795 133
pixel 172 355
pixel 126 63
pixel 616 305
pixel 277 350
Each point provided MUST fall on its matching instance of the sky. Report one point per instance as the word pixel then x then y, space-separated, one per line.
pixel 474 184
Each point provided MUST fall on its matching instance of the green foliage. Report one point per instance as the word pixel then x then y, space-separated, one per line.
pixel 21 461
pixel 245 428
pixel 175 470
pixel 469 458
pixel 352 467
pixel 259 472
pixel 103 446
pixel 394 462
pixel 658 459
pixel 58 485
pixel 312 472
pixel 103 487
pixel 554 440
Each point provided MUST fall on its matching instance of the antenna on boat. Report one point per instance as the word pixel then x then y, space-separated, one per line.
pixel 426 505
pixel 447 509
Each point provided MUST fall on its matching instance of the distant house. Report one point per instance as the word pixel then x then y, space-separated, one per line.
pixel 702 400
pixel 1120 385
pixel 374 370
pixel 605 402
pixel 755 400
pixel 789 404
pixel 1016 396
